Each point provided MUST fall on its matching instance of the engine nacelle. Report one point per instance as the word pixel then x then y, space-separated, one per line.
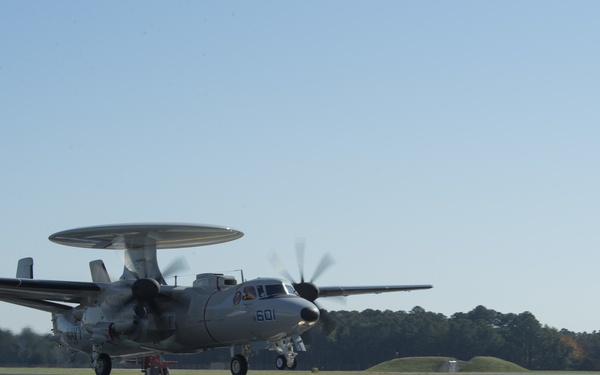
pixel 125 326
pixel 102 332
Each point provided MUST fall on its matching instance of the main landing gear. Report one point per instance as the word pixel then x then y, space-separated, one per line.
pixel 239 362
pixel 239 365
pixel 101 362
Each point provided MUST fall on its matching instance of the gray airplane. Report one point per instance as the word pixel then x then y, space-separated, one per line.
pixel 140 315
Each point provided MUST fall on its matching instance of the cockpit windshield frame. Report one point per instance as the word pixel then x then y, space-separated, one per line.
pixel 274 289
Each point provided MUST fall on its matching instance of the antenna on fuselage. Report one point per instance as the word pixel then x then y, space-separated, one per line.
pixel 241 273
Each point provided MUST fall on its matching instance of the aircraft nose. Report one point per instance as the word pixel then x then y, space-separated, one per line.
pixel 310 314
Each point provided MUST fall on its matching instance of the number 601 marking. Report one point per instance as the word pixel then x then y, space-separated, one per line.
pixel 265 315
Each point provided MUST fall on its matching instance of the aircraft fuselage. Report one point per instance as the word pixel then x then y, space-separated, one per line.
pixel 185 319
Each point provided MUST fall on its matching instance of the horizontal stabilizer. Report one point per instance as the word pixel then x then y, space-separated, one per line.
pixel 25 268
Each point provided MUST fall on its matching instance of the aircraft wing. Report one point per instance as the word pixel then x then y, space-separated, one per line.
pixel 46 295
pixel 337 291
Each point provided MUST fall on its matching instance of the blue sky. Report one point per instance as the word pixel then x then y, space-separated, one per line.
pixel 451 143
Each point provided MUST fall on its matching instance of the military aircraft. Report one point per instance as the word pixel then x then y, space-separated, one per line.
pixel 140 315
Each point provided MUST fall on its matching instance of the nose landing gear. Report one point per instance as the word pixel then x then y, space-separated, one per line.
pixel 286 347
pixel 287 350
pixel 282 362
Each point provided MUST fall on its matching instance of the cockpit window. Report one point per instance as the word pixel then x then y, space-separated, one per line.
pixel 290 289
pixel 249 293
pixel 275 289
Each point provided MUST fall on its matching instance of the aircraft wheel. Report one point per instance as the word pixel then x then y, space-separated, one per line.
pixel 281 362
pixel 293 366
pixel 103 364
pixel 239 365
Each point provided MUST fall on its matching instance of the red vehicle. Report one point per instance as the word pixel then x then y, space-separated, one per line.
pixel 154 365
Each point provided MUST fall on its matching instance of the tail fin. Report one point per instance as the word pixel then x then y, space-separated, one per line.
pixel 99 273
pixel 25 268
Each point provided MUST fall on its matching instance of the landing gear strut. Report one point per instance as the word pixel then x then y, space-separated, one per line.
pixel 101 362
pixel 287 354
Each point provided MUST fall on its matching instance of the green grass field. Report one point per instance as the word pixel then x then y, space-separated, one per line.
pixel 411 365
pixel 89 371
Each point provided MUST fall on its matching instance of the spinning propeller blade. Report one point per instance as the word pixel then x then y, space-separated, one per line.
pixel 176 266
pixel 326 262
pixel 306 289
pixel 300 246
pixel 278 265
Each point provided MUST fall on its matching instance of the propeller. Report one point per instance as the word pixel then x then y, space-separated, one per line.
pixel 146 290
pixel 306 289
pixel 150 288
pixel 177 265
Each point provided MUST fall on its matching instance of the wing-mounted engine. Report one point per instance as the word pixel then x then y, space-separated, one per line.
pixel 102 332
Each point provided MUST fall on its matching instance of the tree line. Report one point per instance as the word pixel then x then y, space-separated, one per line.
pixel 351 340
pixel 361 340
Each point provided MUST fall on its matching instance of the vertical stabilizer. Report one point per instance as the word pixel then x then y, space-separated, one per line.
pixel 99 272
pixel 25 268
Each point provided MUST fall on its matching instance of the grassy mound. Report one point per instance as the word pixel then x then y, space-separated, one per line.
pixel 491 364
pixel 411 364
pixel 434 364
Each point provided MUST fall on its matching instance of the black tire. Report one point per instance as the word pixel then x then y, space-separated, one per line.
pixel 103 364
pixel 239 365
pixel 293 366
pixel 281 362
